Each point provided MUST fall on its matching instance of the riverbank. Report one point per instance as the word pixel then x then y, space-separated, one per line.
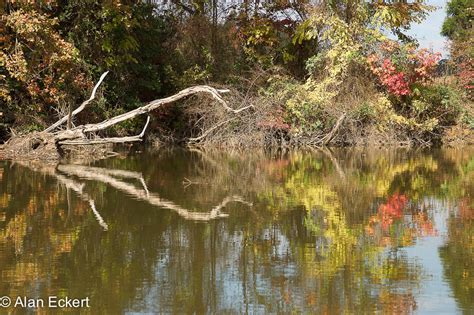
pixel 327 75
pixel 247 131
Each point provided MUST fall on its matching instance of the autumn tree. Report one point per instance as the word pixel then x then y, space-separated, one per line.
pixel 40 69
pixel 459 29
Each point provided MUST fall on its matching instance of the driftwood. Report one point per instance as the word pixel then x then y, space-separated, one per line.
pixel 49 144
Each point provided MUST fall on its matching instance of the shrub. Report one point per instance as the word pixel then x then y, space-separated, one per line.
pixel 441 102
pixel 387 118
pixel 466 77
pixel 412 100
pixel 39 66
pixel 401 68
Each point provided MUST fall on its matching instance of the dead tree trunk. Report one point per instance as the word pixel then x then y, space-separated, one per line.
pixel 48 144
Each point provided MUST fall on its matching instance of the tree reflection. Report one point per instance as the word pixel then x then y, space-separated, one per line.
pixel 458 253
pixel 326 232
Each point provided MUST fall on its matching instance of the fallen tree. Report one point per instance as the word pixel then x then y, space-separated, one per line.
pixel 50 143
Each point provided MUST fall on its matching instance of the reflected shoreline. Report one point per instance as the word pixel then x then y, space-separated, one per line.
pixel 318 232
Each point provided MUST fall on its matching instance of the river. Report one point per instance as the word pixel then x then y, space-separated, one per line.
pixel 186 231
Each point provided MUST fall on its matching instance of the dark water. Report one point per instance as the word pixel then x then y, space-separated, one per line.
pixel 191 232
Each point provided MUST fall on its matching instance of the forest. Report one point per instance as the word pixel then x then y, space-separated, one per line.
pixel 298 72
pixel 237 156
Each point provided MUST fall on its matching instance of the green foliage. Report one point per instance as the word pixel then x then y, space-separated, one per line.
pixel 315 63
pixel 348 30
pixel 181 74
pixel 459 29
pixel 365 112
pixel 469 120
pixel 432 107
pixel 125 39
pixel 53 51
pixel 269 35
pixel 458 23
pixel 442 102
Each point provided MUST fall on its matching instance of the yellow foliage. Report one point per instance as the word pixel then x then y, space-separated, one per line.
pixel 386 117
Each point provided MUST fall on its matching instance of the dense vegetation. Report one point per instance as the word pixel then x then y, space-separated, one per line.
pixel 304 65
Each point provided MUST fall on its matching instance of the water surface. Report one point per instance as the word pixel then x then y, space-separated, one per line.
pixel 342 231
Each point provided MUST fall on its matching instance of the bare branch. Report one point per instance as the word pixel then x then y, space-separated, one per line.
pixel 80 108
pixel 144 128
pixel 108 140
pixel 156 104
pixel 208 131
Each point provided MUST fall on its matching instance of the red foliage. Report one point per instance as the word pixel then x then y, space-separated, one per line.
pixel 392 209
pixel 274 120
pixel 395 81
pixel 465 211
pixel 466 76
pixel 416 224
pixel 398 68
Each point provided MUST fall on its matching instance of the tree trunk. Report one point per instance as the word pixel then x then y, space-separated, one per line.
pixel 48 143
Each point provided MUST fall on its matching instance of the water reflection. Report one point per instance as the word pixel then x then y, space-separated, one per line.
pixel 214 232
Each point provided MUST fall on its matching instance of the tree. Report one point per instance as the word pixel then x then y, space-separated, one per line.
pixel 41 70
pixel 458 22
pixel 458 27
